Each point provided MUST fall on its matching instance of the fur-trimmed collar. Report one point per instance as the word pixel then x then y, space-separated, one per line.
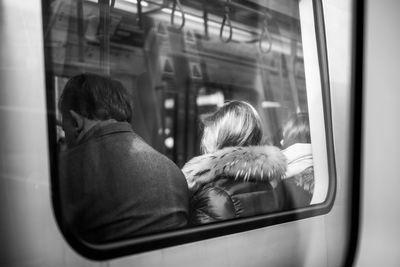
pixel 254 163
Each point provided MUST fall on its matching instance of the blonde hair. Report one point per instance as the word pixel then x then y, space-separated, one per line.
pixel 236 123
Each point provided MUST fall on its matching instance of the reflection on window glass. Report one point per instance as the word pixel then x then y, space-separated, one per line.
pixel 175 115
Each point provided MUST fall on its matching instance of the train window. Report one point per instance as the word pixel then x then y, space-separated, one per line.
pixel 176 121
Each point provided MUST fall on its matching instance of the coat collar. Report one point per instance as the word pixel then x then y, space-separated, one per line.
pixel 253 163
pixel 105 128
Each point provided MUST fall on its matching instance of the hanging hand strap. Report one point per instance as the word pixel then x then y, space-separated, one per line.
pixel 226 21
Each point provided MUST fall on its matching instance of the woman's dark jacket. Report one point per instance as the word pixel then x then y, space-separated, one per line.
pixel 235 182
pixel 114 186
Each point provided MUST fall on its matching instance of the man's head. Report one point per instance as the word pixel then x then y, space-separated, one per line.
pixel 296 130
pixel 90 98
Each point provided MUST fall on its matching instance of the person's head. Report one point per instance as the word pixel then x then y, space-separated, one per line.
pixel 90 98
pixel 236 123
pixel 296 130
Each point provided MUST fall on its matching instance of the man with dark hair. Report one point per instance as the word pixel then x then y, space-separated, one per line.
pixel 113 185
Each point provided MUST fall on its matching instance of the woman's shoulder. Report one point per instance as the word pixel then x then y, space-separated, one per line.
pixel 264 164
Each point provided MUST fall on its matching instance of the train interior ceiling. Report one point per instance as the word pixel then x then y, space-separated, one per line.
pixel 183 59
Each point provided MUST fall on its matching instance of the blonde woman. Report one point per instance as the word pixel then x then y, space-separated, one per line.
pixel 236 176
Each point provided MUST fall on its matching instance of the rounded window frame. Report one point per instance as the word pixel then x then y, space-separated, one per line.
pixel 202 232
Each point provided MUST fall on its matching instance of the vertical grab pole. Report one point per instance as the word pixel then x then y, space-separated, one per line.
pixel 140 14
pixel 205 19
pixel 79 11
pixel 104 12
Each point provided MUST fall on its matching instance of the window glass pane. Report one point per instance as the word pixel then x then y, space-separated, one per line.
pixel 218 90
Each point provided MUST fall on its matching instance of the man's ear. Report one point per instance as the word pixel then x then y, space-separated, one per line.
pixel 78 120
